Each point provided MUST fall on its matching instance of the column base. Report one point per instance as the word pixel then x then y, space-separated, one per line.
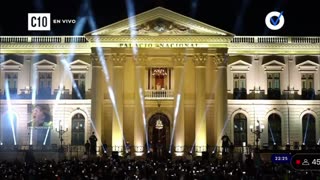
pixel 139 153
pixel 179 153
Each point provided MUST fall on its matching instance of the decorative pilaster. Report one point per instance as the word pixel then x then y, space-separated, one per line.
pixel 200 122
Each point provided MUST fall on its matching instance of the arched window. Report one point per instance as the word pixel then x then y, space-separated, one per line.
pixel 240 129
pixel 8 129
pixel 274 129
pixel 78 129
pixel 308 129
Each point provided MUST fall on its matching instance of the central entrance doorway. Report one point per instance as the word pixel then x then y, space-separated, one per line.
pixel 159 135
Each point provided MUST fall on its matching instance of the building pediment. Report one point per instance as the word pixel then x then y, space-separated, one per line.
pixel 11 65
pixel 240 65
pixel 160 26
pixel 159 21
pixel 267 60
pixel 274 65
pixel 45 65
pixel 79 66
pixel 307 65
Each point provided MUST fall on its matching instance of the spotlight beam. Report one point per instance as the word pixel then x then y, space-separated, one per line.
pixel 10 111
pixel 270 130
pixel 176 111
pixel 133 34
pixel 102 61
pixel 65 63
pixel 306 131
pixel 45 139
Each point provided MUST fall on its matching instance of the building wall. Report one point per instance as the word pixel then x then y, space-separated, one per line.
pixel 254 109
pixel 290 75
pixel 261 109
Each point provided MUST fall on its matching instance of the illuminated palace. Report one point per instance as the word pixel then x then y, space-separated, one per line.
pixel 162 81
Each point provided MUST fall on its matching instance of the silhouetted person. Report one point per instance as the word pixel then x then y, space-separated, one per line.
pixel 225 144
pixel 128 149
pixel 29 157
pixel 87 146
pixel 159 149
pixel 231 149
pixel 93 144
pixel 249 166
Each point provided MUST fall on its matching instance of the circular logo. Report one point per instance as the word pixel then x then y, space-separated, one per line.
pixel 274 20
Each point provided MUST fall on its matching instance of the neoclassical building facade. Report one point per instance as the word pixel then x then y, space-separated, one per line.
pixel 161 81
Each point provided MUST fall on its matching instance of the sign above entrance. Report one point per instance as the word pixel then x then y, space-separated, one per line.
pixel 161 45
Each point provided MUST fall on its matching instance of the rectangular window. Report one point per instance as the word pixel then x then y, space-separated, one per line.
pixel 45 84
pixel 79 91
pixel 307 81
pixel 273 80
pixel 12 78
pixel 159 79
pixel 239 80
pixel 240 86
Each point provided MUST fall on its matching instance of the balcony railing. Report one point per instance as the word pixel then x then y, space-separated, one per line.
pixel 43 39
pixel 274 93
pixel 236 39
pixel 159 94
pixel 276 39
pixel 239 93
pixel 308 94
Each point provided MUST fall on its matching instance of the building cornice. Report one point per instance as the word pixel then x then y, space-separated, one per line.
pixel 160 41
pixel 52 48
pixel 239 45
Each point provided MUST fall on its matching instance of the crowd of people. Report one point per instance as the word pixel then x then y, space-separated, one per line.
pixel 94 167
pixel 121 168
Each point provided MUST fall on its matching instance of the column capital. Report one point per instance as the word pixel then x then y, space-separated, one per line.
pixel 220 59
pixel 179 59
pixel 140 59
pixel 200 59
pixel 95 61
pixel 118 59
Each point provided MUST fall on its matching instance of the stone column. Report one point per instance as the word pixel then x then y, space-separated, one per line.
pixel 221 101
pixel 97 97
pixel 117 116
pixel 140 120
pixel 200 122
pixel 139 129
pixel 178 116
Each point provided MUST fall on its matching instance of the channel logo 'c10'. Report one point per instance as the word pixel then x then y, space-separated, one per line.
pixel 39 21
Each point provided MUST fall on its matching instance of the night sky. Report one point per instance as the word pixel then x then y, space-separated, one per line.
pixel 241 17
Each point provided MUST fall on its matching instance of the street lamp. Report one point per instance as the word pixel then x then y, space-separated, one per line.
pixel 61 131
pixel 257 131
